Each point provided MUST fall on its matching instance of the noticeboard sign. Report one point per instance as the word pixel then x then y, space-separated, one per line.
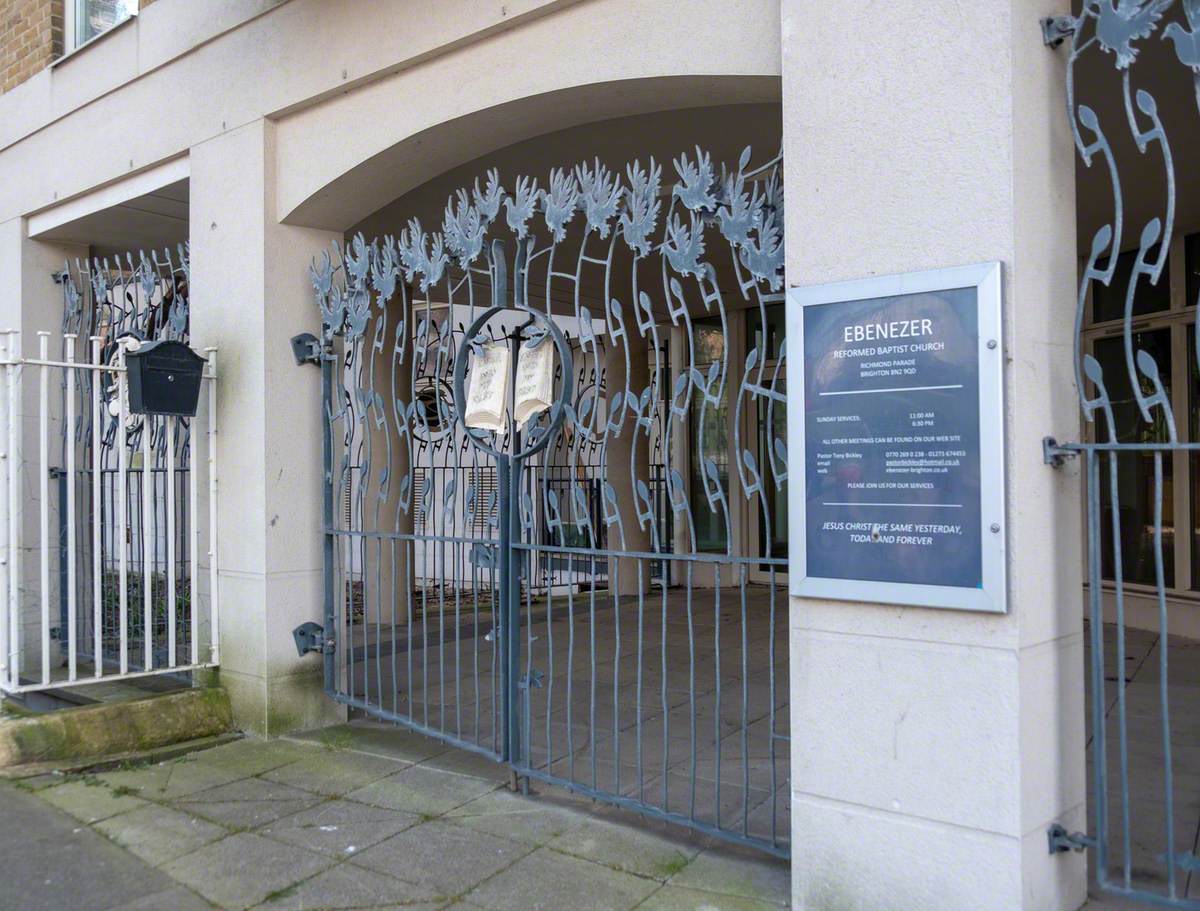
pixel 901 440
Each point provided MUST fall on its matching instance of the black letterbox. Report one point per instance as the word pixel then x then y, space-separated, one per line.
pixel 164 378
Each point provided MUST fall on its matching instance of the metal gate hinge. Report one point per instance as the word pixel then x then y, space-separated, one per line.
pixel 310 637
pixel 307 349
pixel 1054 455
pixel 1062 841
pixel 1057 29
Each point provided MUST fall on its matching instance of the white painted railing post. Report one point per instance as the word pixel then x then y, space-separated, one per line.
pixel 44 494
pixel 69 435
pixel 97 517
pixel 5 469
pixel 213 600
pixel 14 511
pixel 122 518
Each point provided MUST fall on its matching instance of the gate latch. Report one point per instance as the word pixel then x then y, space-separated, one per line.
pixel 1062 841
pixel 310 637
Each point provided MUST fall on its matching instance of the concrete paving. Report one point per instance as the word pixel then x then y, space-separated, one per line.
pixel 53 861
pixel 360 816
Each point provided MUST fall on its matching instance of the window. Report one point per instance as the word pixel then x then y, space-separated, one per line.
pixel 1135 470
pixel 709 434
pixel 85 19
pixel 1108 303
pixel 1164 327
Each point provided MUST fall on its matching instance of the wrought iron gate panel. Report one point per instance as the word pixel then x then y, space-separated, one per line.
pixel 1139 849
pixel 106 299
pixel 540 592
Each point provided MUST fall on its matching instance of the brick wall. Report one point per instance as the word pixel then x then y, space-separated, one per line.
pixel 31 36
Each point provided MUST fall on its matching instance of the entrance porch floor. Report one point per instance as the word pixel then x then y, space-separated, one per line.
pixel 367 815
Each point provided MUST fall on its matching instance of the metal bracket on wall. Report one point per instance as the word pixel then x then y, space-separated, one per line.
pixel 1057 29
pixel 1062 841
pixel 310 637
pixel 1055 455
pixel 306 348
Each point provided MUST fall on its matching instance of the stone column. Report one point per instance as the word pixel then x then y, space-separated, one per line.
pixel 932 749
pixel 32 302
pixel 624 467
pixel 250 294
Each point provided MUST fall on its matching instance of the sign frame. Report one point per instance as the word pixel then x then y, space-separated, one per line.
pixel 992 596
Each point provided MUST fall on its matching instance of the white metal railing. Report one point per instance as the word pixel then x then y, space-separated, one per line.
pixel 119 529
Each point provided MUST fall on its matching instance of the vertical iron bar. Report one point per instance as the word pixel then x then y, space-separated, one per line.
pixel 193 539
pixel 169 443
pixel 149 513
pixel 1168 771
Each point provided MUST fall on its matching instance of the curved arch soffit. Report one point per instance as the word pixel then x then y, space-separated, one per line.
pixel 362 187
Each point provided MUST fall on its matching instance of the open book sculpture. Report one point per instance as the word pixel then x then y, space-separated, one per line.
pixel 488 388
pixel 535 380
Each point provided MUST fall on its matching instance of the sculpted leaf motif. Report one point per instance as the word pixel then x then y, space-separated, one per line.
pixel 684 246
pixel 384 269
pixel 519 207
pixel 642 206
pixel 463 229
pixel 741 212
pixel 601 193
pixel 763 257
pixel 697 182
pixel 560 202
pixel 487 202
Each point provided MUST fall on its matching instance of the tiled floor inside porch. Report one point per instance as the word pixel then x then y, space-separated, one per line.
pixel 677 701
pixel 1146 761
pixel 369 816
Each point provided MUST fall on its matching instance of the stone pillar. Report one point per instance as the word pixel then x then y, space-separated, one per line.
pixel 250 294
pixel 624 467
pixel 932 749
pixel 31 301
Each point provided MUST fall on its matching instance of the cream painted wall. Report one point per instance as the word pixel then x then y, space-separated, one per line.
pixel 934 748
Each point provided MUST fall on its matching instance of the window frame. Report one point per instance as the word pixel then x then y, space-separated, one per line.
pixel 72 11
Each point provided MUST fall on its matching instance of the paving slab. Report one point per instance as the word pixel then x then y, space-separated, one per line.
pixel 251 756
pixel 170 779
pixel 334 773
pixel 345 886
pixel 727 870
pixel 646 851
pixel 248 803
pixel 448 859
pixel 548 881
pixel 159 834
pixel 245 869
pixel 90 800
pixel 674 898
pixel 339 828
pixel 422 790
pixel 88 870
pixel 376 738
pixel 508 815
pixel 176 899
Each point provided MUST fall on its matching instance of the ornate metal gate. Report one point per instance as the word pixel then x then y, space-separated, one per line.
pixel 1144 847
pixel 594 594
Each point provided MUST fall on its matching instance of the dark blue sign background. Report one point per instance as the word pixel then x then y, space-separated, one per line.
pixel 891 391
